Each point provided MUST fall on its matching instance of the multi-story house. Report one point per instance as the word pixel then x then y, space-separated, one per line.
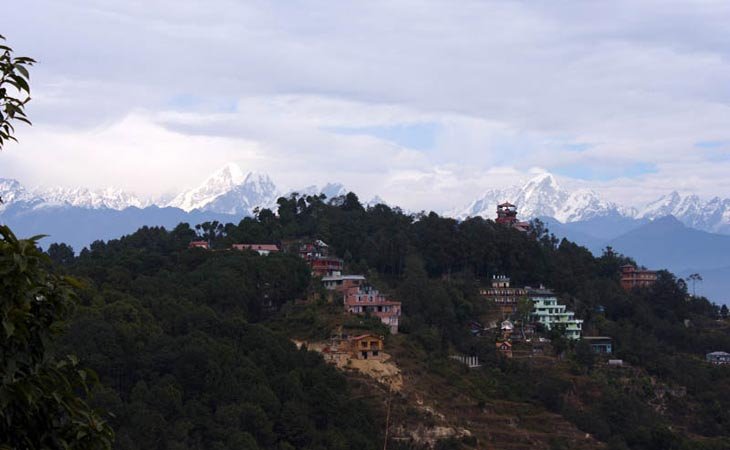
pixel 718 358
pixel 317 255
pixel 632 277
pixel 368 300
pixel 505 297
pixel 547 311
pixel 342 283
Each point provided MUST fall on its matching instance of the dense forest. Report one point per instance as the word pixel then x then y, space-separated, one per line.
pixel 191 352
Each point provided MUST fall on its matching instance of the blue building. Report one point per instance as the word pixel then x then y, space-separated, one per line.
pixel 600 344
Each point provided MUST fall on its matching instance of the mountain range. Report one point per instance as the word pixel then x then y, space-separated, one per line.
pixel 682 233
pixel 542 197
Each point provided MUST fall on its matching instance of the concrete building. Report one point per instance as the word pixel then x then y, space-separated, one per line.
pixel 600 344
pixel 317 255
pixel 718 358
pixel 367 346
pixel 631 277
pixel 503 295
pixel 368 300
pixel 342 282
pixel 548 312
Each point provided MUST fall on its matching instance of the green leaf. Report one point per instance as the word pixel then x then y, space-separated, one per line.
pixel 9 328
pixel 23 71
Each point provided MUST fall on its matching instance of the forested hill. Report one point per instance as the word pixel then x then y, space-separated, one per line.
pixel 192 346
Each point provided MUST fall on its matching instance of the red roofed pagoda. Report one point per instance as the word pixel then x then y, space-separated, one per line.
pixel 507 215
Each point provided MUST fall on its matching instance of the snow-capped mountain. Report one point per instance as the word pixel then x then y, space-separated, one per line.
pixel 229 191
pixel 11 191
pixel 330 190
pixel 110 198
pixel 232 191
pixel 712 215
pixel 541 197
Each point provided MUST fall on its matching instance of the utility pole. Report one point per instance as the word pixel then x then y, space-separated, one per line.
pixel 387 416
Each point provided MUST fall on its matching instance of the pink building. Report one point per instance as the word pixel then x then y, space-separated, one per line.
pixel 368 300
pixel 199 244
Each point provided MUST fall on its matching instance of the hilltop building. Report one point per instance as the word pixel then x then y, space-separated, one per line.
pixel 507 215
pixel 503 295
pixel 341 349
pixel 718 358
pixel 342 283
pixel 632 277
pixel 317 255
pixel 367 346
pixel 199 244
pixel 600 344
pixel 261 249
pixel 548 312
pixel 368 300
pixel 504 348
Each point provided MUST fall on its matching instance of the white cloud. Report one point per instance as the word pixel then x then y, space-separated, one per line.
pixel 152 96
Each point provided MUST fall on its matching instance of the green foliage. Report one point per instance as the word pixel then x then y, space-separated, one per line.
pixel 39 405
pixel 169 330
pixel 178 341
pixel 14 91
pixel 584 355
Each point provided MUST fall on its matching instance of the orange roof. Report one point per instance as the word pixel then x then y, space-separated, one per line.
pixel 363 336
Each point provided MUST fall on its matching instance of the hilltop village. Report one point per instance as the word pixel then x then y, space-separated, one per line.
pixel 523 321
pixel 328 324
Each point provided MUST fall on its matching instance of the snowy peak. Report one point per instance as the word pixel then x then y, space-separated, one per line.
pixel 11 191
pixel 663 206
pixel 110 198
pixel 376 200
pixel 712 215
pixel 541 196
pixel 332 190
pixel 542 183
pixel 259 183
pixel 229 175
pixel 229 190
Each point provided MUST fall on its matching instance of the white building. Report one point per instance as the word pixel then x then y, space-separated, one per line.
pixel 547 311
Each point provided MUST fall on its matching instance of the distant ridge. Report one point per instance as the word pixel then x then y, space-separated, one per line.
pixel 542 196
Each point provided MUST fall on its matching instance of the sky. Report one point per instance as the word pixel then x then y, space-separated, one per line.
pixel 425 103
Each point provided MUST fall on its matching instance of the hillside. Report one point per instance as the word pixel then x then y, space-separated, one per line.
pixel 666 242
pixel 179 336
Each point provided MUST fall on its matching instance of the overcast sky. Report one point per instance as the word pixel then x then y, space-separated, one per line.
pixel 426 103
